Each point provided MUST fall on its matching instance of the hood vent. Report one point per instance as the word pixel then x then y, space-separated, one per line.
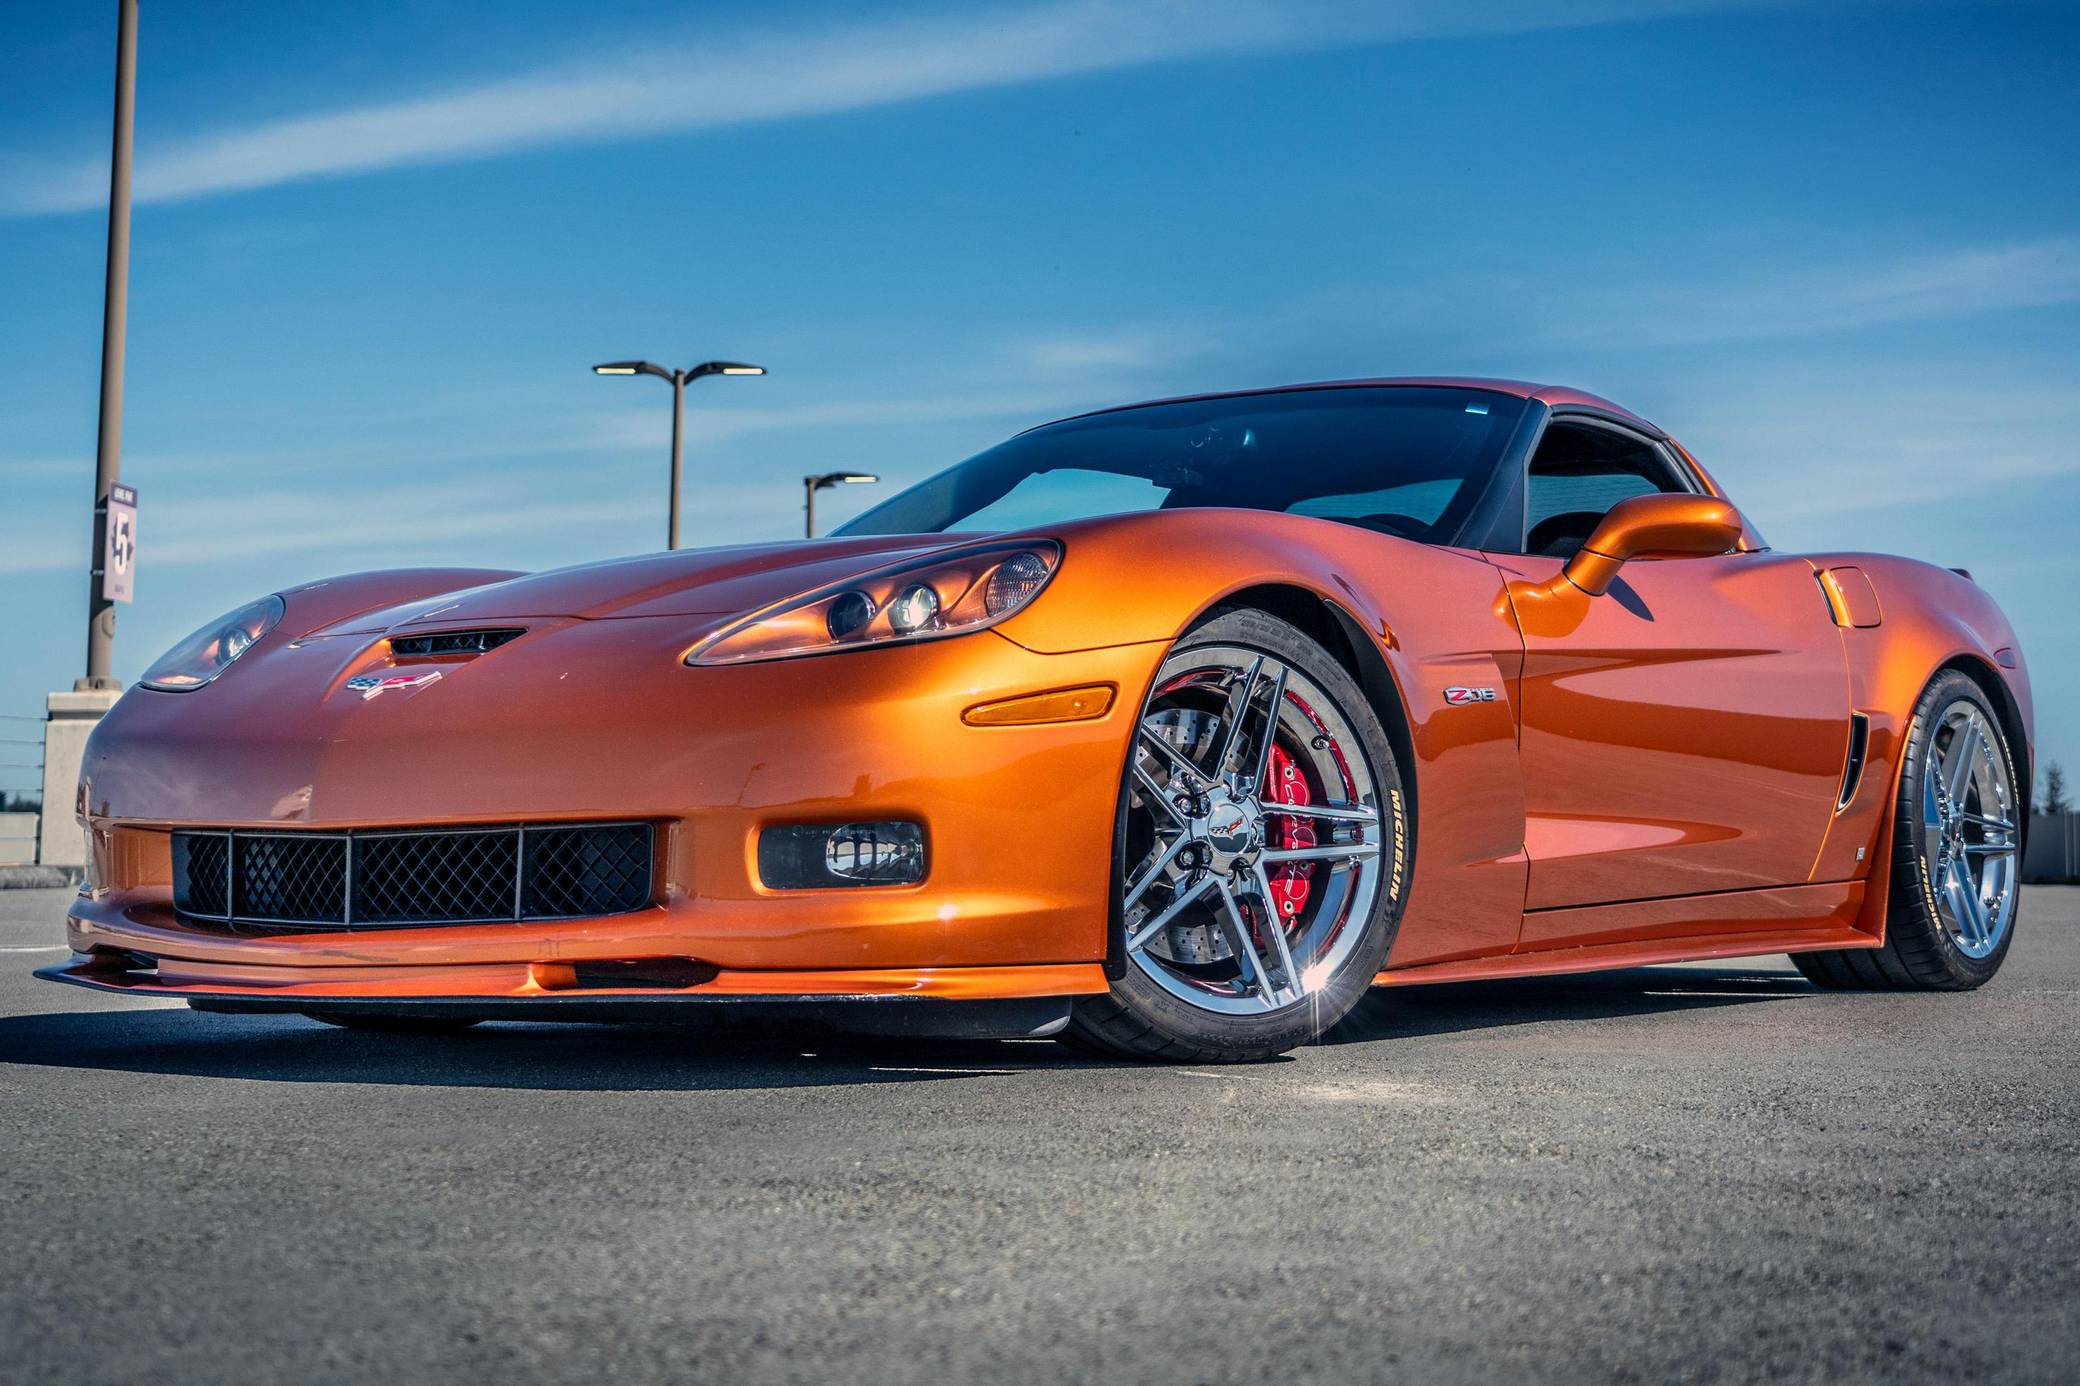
pixel 453 642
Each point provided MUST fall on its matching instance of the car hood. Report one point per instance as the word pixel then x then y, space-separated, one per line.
pixel 689 582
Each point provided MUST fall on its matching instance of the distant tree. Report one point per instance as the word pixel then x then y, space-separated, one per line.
pixel 2054 800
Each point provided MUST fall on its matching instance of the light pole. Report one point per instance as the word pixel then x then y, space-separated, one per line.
pixel 812 484
pixel 678 381
pixel 115 313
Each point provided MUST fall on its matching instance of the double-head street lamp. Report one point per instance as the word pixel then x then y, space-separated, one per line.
pixel 678 381
pixel 812 484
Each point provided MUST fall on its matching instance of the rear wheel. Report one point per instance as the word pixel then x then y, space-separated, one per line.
pixel 1262 851
pixel 1956 855
pixel 395 1024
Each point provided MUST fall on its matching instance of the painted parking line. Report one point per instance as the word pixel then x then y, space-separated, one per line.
pixel 41 948
pixel 1740 995
pixel 1227 1077
pixel 965 1072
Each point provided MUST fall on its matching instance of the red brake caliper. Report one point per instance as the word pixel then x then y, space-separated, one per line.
pixel 1290 881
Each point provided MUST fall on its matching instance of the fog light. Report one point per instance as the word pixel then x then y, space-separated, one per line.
pixel 810 856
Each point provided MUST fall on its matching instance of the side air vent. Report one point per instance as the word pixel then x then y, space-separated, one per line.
pixel 1852 774
pixel 453 642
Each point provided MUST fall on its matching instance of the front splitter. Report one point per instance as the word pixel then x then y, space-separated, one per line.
pixel 1008 1002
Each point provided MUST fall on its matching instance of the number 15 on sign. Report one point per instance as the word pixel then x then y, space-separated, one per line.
pixel 119 544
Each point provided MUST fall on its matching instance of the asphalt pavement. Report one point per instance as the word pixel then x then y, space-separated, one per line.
pixel 1703 1173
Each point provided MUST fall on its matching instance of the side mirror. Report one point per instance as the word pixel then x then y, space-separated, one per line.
pixel 1661 526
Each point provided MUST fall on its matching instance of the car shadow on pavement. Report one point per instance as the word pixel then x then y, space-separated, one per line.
pixel 739 1056
pixel 545 1055
pixel 1410 1012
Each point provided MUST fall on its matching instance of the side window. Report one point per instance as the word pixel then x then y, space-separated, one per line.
pixel 1578 473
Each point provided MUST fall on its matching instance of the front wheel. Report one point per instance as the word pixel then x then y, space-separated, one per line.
pixel 1262 851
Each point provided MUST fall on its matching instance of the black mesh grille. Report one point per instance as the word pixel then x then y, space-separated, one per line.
pixel 417 878
pixel 300 879
pixel 202 873
pixel 574 871
pixel 377 880
pixel 453 641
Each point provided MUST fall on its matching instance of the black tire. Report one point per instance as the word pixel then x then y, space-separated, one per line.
pixel 1138 1018
pixel 396 1024
pixel 1921 952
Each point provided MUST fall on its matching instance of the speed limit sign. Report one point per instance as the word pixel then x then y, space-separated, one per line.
pixel 119 544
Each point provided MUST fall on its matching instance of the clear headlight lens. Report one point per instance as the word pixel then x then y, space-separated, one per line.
pixel 210 651
pixel 924 599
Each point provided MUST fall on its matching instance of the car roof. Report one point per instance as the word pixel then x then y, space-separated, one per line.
pixel 1554 396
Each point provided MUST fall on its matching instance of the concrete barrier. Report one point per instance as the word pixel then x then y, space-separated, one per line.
pixel 72 717
pixel 17 839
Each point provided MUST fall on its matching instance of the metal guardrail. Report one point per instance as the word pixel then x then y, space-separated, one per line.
pixel 21 777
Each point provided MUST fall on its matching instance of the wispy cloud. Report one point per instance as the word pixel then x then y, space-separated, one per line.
pixel 1810 454
pixel 1758 302
pixel 777 75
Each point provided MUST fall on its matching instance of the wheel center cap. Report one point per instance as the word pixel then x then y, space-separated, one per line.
pixel 1234 834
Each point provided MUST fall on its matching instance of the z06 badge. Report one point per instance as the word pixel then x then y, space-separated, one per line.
pixel 1459 697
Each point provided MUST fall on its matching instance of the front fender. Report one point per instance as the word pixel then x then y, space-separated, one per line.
pixel 337 602
pixel 1434 618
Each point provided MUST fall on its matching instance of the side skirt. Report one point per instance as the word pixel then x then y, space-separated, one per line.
pixel 1739 924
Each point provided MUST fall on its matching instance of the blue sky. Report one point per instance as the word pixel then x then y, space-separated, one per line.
pixel 1835 248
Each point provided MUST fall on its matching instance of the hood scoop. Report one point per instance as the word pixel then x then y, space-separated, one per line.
pixel 452 642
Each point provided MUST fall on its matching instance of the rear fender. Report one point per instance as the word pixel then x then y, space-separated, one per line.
pixel 1931 619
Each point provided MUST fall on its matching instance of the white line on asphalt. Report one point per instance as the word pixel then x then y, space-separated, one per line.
pixel 1223 1077
pixel 1744 995
pixel 46 948
pixel 891 1068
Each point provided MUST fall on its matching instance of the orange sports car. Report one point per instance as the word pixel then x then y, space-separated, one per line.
pixel 1167 729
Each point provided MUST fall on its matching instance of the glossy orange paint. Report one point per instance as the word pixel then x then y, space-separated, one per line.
pixel 1683 734
pixel 1656 777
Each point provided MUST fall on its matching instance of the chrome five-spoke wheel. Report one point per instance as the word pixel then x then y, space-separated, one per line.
pixel 1955 853
pixel 1261 844
pixel 1969 828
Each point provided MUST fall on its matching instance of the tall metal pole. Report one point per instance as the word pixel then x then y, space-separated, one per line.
pixel 678 428
pixel 808 507
pixel 115 312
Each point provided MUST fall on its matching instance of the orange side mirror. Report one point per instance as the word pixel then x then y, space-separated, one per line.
pixel 1661 526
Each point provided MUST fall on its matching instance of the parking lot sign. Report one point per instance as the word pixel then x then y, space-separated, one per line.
pixel 119 544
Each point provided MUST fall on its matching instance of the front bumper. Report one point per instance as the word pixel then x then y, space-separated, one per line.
pixel 1019 820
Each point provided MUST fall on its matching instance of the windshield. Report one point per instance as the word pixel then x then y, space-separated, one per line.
pixel 1404 460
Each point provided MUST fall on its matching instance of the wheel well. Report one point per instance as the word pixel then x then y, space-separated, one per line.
pixel 1352 646
pixel 1996 690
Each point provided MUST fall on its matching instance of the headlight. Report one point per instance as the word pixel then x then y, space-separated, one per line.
pixel 924 599
pixel 209 651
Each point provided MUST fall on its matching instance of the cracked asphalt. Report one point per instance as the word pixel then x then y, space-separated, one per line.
pixel 1707 1173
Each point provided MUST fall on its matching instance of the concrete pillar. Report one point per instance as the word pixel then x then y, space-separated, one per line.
pixel 70 718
